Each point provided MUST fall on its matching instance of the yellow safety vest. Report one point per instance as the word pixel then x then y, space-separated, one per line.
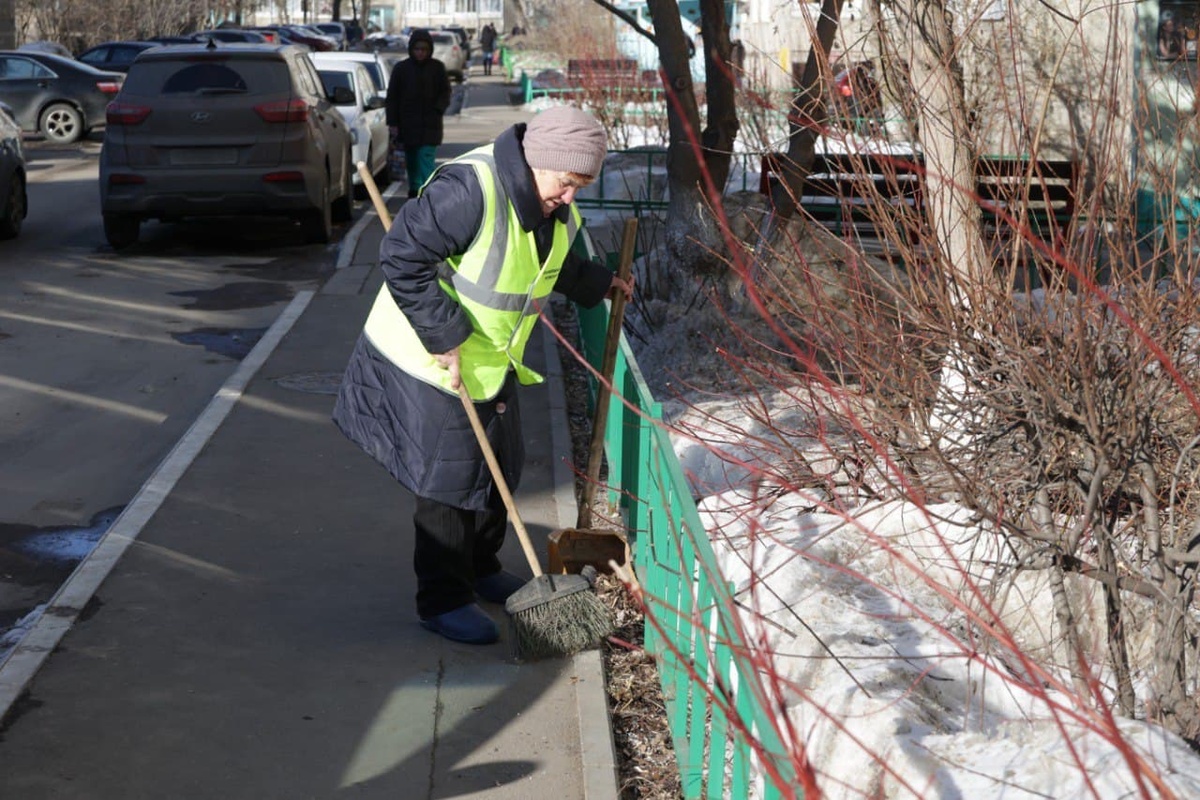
pixel 499 282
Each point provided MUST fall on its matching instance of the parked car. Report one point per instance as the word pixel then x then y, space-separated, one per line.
pixel 208 130
pixel 334 30
pixel 14 203
pixel 464 39
pixel 114 56
pixel 231 36
pixel 385 42
pixel 53 48
pixel 447 50
pixel 364 115
pixel 60 98
pixel 278 35
pixel 301 34
pixel 378 67
pixel 170 39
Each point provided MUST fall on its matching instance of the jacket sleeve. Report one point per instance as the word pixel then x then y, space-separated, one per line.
pixel 586 282
pixel 442 222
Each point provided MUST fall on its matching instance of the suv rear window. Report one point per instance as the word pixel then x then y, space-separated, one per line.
pixel 208 75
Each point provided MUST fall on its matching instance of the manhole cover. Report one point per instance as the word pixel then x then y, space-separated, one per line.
pixel 312 382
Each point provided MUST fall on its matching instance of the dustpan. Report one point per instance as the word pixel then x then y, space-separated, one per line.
pixel 572 549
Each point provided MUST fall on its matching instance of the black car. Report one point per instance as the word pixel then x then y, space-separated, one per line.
pixel 13 200
pixel 115 56
pixel 58 97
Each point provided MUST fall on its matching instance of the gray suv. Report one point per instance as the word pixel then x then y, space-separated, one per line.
pixel 223 130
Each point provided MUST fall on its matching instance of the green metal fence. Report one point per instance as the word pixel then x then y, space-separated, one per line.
pixel 722 718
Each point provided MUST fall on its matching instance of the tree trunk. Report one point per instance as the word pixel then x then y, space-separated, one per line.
pixel 807 117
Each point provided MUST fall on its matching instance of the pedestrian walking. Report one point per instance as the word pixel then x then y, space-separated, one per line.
pixel 487 43
pixel 467 266
pixel 417 98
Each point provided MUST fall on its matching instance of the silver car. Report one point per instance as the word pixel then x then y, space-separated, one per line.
pixel 447 50
pixel 223 130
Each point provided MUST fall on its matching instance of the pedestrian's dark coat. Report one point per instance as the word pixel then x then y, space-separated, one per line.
pixel 487 38
pixel 417 97
pixel 417 431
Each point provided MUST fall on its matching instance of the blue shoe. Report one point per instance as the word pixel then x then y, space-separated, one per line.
pixel 497 587
pixel 467 624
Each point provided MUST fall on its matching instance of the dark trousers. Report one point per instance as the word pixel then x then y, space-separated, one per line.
pixel 454 548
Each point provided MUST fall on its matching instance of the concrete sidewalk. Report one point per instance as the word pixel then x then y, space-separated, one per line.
pixel 254 634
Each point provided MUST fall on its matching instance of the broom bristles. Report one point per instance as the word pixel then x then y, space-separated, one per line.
pixel 562 626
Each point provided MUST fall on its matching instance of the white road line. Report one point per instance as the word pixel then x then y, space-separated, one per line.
pixel 349 244
pixel 27 657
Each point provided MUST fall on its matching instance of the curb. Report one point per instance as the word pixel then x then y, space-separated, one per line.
pixel 596 748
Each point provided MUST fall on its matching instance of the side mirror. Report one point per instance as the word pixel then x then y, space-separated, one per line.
pixel 375 101
pixel 342 96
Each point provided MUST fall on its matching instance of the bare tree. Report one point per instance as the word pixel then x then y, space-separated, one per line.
pixel 698 157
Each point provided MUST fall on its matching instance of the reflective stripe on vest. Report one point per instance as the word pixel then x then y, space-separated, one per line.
pixel 499 282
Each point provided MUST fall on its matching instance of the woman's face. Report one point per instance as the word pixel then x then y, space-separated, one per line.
pixel 555 189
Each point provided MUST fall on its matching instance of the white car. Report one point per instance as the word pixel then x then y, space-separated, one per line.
pixel 379 67
pixel 365 117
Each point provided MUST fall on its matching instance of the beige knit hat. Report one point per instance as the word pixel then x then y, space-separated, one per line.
pixel 565 139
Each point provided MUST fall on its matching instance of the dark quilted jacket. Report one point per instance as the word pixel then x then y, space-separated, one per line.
pixel 417 431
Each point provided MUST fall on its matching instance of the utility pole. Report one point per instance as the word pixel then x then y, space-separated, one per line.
pixel 8 24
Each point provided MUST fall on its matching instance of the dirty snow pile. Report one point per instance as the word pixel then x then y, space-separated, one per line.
pixel 888 692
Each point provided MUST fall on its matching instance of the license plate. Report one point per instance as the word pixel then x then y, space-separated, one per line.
pixel 203 156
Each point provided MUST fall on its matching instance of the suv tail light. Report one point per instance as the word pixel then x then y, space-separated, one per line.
pixel 125 114
pixel 294 110
pixel 109 87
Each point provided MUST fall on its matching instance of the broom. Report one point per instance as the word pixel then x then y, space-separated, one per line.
pixel 552 615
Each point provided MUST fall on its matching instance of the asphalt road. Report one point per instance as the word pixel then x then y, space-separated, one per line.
pixel 107 358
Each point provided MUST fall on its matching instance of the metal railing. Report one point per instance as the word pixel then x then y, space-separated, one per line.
pixel 721 715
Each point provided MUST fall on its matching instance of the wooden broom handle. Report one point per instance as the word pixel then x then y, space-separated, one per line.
pixel 376 197
pixel 498 477
pixel 608 365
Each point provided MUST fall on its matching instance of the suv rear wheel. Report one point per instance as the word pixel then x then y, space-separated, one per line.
pixel 318 222
pixel 343 207
pixel 121 230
